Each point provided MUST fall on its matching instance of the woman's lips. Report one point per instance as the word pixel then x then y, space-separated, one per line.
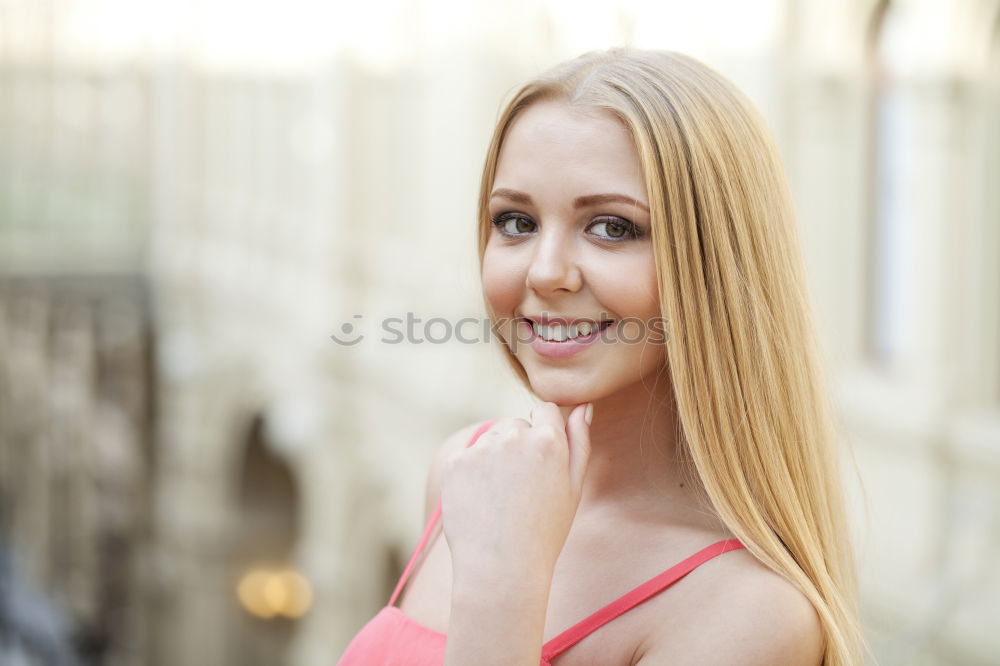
pixel 558 350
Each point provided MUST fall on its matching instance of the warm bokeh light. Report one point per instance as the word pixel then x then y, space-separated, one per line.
pixel 267 594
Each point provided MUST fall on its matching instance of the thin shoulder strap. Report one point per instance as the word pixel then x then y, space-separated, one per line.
pixel 650 588
pixel 430 526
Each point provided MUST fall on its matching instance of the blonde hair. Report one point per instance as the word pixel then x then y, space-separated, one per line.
pixel 745 367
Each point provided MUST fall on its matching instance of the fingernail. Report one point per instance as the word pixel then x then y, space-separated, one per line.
pixel 588 414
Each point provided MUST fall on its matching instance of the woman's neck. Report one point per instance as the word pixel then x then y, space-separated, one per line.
pixel 635 464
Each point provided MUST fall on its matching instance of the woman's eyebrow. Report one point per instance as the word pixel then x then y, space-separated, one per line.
pixel 579 202
pixel 591 199
pixel 513 195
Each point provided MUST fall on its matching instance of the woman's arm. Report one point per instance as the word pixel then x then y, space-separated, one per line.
pixel 479 600
pixel 497 619
pixel 507 506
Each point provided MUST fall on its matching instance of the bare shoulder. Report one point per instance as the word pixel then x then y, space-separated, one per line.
pixel 453 442
pixel 741 612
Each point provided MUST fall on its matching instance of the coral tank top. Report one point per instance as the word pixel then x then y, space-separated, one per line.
pixel 391 638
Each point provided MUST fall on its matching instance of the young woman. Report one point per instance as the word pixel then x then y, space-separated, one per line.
pixel 674 497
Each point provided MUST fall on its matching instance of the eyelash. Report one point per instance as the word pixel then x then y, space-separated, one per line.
pixel 632 232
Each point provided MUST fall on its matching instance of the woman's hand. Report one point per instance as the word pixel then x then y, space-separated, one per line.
pixel 508 501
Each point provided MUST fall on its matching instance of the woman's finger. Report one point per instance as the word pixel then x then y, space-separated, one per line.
pixel 578 434
pixel 506 427
pixel 547 414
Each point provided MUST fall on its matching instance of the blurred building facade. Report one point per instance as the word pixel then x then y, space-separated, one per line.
pixel 180 237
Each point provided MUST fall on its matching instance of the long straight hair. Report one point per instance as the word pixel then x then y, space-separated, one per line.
pixel 753 408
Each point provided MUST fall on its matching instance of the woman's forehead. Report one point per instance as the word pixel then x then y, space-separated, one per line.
pixel 553 140
pixel 557 121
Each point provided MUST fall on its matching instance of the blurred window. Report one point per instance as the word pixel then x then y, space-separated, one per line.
pixel 891 270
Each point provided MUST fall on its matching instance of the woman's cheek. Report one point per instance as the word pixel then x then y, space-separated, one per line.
pixel 501 285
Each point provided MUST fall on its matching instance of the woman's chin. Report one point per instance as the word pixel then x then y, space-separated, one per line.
pixel 563 396
pixel 567 386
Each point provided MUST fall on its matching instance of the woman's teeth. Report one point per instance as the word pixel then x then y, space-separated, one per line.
pixel 562 332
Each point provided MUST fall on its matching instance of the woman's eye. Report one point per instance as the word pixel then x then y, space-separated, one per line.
pixel 615 228
pixel 513 225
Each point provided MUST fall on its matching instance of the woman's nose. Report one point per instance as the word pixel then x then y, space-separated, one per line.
pixel 554 265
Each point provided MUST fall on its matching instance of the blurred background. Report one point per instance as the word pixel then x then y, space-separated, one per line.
pixel 196 194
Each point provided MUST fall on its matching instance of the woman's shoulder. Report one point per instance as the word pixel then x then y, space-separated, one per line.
pixel 738 611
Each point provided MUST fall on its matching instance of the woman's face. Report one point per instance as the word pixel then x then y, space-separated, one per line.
pixel 571 240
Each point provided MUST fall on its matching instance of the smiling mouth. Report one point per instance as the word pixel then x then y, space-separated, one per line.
pixel 561 333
